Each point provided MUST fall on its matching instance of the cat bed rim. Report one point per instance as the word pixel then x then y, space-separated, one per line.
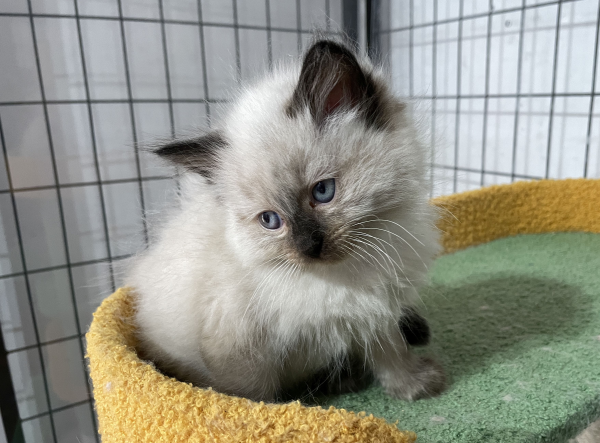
pixel 136 403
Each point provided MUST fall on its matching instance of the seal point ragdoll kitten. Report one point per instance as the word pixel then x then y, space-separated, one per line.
pixel 303 232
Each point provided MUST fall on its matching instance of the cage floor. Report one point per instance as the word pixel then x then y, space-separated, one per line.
pixel 516 323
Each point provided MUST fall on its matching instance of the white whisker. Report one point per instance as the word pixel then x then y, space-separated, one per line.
pixel 403 228
pixel 404 240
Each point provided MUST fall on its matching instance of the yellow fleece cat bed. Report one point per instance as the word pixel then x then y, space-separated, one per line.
pixel 136 403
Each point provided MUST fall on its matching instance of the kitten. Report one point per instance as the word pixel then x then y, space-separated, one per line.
pixel 303 232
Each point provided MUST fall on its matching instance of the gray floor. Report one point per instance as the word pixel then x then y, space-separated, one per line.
pixel 590 435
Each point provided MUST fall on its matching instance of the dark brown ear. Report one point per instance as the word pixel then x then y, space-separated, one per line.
pixel 331 81
pixel 199 155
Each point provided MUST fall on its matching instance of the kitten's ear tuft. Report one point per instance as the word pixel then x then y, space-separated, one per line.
pixel 331 81
pixel 198 155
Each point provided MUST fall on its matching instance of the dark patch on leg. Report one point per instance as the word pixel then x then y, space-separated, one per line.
pixel 414 328
pixel 335 379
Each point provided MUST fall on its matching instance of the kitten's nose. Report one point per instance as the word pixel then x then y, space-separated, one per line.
pixel 312 246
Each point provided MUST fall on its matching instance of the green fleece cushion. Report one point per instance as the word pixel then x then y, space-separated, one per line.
pixel 516 324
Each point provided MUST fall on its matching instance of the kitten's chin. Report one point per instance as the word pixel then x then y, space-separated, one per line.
pixel 328 258
pixel 337 267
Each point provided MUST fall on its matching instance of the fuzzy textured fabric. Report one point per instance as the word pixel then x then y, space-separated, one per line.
pixel 483 215
pixel 516 325
pixel 135 403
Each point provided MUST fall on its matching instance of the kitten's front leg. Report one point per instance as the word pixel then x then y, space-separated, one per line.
pixel 403 374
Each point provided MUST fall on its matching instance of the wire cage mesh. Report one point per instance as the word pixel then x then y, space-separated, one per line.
pixel 82 84
pixel 503 90
pixel 506 89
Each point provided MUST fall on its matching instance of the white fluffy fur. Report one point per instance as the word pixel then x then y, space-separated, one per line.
pixel 223 302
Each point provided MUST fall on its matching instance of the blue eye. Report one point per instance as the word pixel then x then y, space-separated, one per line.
pixel 324 191
pixel 270 220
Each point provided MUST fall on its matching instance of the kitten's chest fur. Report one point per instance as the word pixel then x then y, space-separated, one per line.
pixel 325 312
pixel 318 324
pixel 281 332
pixel 319 328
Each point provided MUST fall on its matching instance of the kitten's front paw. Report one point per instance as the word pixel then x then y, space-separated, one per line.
pixel 426 380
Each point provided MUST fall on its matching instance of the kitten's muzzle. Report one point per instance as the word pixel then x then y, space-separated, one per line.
pixel 311 245
pixel 308 235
